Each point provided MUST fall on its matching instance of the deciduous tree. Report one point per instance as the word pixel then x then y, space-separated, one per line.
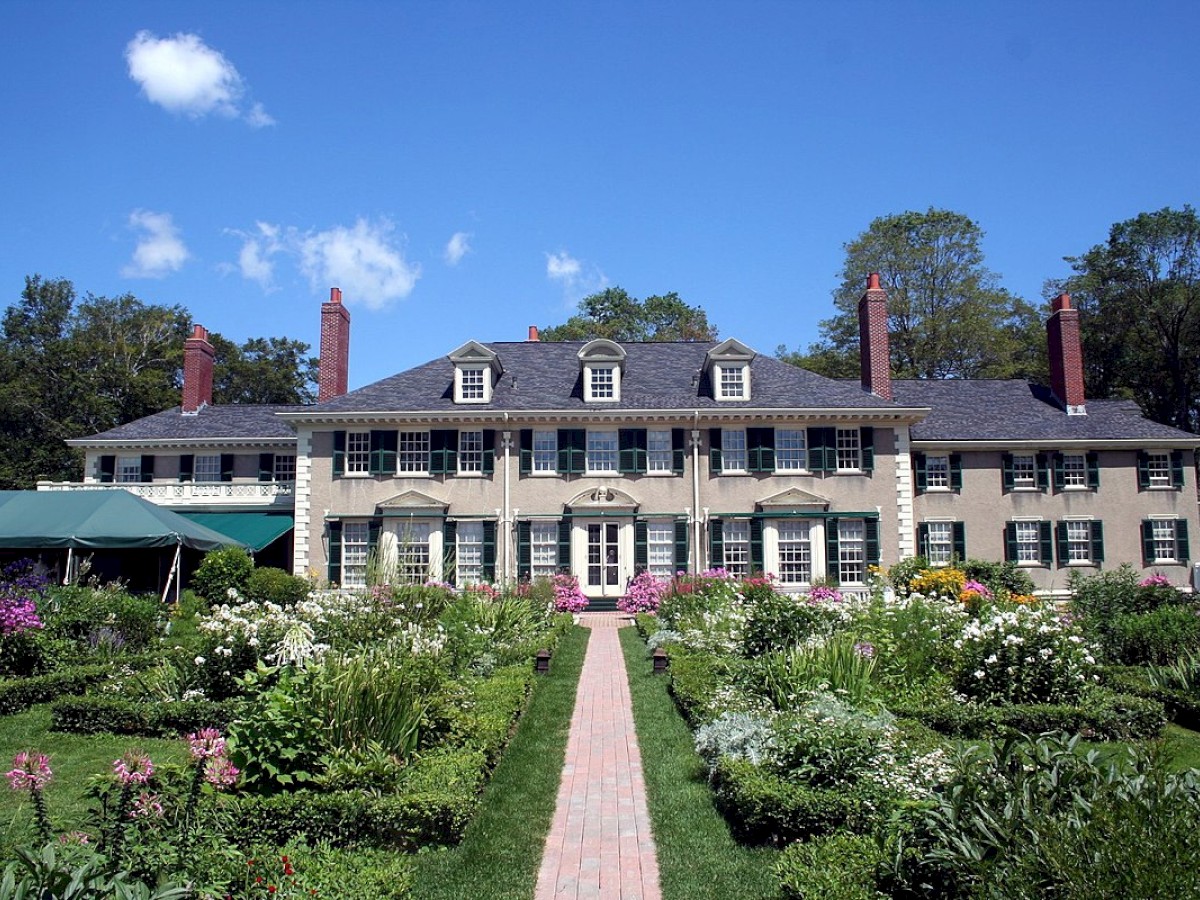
pixel 614 314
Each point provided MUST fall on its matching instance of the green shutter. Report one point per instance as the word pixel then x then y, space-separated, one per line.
pixel 1041 465
pixel 681 546
pixel 564 545
pixel 1147 542
pixel 716 544
pixel 1064 552
pixel 866 443
pixel 1143 466
pixel 641 547
pixel 923 540
pixel 339 453
pixel 489 550
pixel 1046 545
pixel 760 449
pixel 108 468
pixel 1093 469
pixel 714 451
pixel 958 534
pixel 822 449
pixel 147 467
pixel 920 476
pixel 832 557
pixel 526 452
pixel 1182 553
pixel 678 437
pixel 956 472
pixel 1097 542
pixel 631 457
pixel 227 467
pixel 450 551
pixel 758 561
pixel 187 466
pixel 489 451
pixel 524 551
pixel 266 467
pixel 1008 478
pixel 572 451
pixel 1010 542
pixel 335 552
pixel 1177 470
pixel 443 452
pixel 871 532
pixel 1060 478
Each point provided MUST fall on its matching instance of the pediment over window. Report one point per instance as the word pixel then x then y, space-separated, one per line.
pixel 728 368
pixel 476 370
pixel 413 502
pixel 797 499
pixel 474 352
pixel 730 350
pixel 602 350
pixel 603 498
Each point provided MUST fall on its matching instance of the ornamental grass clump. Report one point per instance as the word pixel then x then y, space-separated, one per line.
pixel 840 666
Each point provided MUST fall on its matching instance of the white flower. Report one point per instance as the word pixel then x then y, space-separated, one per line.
pixel 979 674
pixel 199 660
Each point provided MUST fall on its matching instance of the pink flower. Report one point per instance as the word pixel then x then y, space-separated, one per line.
pixel 75 837
pixel 133 768
pixel 822 594
pixel 146 806
pixel 206 743
pixel 220 772
pixel 974 587
pixel 30 771
pixel 1155 581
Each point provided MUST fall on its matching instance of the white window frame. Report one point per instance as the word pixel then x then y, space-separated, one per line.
pixel 734 455
pixel 1074 469
pixel 1079 542
pixel 852 551
pixel 1028 535
pixel 470 452
pixel 1164 532
pixel 545 452
pixel 412 452
pixel 206 467
pixel 543 549
pixel 358 453
pixel 791 450
pixel 849 450
pixel 285 467
pixel 356 545
pixel 735 543
pixel 472 384
pixel 794 552
pixel 937 472
pixel 1158 467
pixel 940 542
pixel 468 552
pixel 660 548
pixel 602 382
pixel 732 381
pixel 129 469
pixel 414 552
pixel 1025 474
pixel 660 452
pixel 603 453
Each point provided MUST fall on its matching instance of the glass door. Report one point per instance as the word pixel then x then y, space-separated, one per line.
pixel 604 565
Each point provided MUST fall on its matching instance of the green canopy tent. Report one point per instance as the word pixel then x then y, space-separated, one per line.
pixel 109 519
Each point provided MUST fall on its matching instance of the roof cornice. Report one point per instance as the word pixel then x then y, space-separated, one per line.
pixel 1052 443
pixel 178 443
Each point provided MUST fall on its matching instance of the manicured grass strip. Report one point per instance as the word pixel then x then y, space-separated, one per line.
pixel 697 856
pixel 502 848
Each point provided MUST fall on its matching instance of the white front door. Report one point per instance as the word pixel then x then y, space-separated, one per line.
pixel 606 563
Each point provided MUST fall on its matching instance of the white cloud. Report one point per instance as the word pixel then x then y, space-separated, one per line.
pixel 577 279
pixel 457 247
pixel 256 258
pixel 561 267
pixel 160 250
pixel 364 261
pixel 184 75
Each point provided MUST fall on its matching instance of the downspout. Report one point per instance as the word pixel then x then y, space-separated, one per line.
pixel 696 524
pixel 505 523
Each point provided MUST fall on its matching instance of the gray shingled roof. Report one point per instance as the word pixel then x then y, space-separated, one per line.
pixel 546 376
pixel 211 422
pixel 982 410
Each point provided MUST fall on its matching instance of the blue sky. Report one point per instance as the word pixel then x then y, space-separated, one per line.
pixel 464 170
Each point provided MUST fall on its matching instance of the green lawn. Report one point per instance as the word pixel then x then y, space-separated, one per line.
pixel 502 848
pixel 697 856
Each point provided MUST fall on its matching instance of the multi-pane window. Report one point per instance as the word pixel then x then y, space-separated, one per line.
pixel 1029 548
pixel 1074 469
pixel 733 382
pixel 791 453
pixel 545 451
pixel 468 552
pixel 355 538
pixel 941 543
pixel 412 557
pixel 1024 468
pixel 207 467
pixel 659 455
pixel 602 452
pixel 470 451
pixel 285 467
pixel 413 451
pixel 795 552
pixel 660 548
pixel 1163 536
pixel 1159 467
pixel 849 449
pixel 543 549
pixel 602 383
pixel 129 468
pixel 736 537
pixel 733 450
pixel 937 472
pixel 1079 542
pixel 358 452
pixel 852 551
pixel 471 384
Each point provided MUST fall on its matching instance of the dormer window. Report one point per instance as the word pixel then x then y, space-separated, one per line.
pixel 602 362
pixel 728 366
pixel 476 372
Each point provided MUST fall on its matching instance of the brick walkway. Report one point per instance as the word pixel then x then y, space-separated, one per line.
pixel 600 845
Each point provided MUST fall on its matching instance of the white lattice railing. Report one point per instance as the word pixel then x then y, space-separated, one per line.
pixel 199 493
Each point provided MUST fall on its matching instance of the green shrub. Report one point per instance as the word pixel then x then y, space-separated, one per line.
pixel 840 665
pixel 276 586
pixel 782 621
pixel 696 679
pixel 903 573
pixel 24 653
pixel 1158 637
pixel 646 624
pixel 19 694
pixel 833 867
pixel 999 577
pixel 104 621
pixel 220 571
pixel 322 870
pixel 95 714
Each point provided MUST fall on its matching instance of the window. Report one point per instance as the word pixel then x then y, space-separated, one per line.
pixel 285 467
pixel 736 535
pixel 849 450
pixel 1028 536
pixel 413 452
pixel 355 538
pixel 602 382
pixel 660 548
pixel 358 452
pixel 1164 542
pixel 207 468
pixel 852 555
pixel 1074 469
pixel 659 452
pixel 733 450
pixel 412 558
pixel 129 469
pixel 470 451
pixel 543 549
pixel 1159 467
pixel 602 451
pixel 937 474
pixel 795 552
pixel 1079 542
pixel 1024 469
pixel 732 384
pixel 472 384
pixel 941 543
pixel 791 454
pixel 468 552
pixel 545 451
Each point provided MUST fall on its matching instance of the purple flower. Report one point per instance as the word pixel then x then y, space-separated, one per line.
pixel 865 649
pixel 30 771
pixel 133 768
pixel 206 744
pixel 976 587
pixel 823 594
pixel 146 806
pixel 220 772
pixel 644 594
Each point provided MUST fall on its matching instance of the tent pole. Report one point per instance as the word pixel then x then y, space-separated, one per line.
pixel 70 558
pixel 173 574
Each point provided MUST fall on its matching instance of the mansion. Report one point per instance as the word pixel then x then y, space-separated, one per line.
pixel 512 460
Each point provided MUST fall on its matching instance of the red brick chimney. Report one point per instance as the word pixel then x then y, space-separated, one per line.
pixel 333 370
pixel 873 353
pixel 1066 355
pixel 198 357
pixel 533 333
